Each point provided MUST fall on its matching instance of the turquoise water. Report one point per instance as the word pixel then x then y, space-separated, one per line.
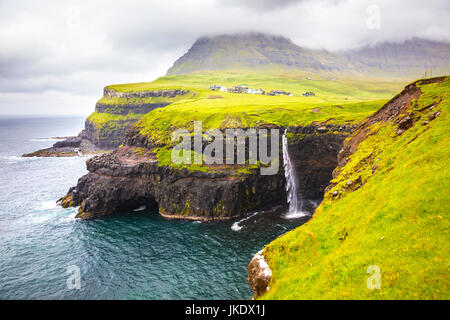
pixel 131 256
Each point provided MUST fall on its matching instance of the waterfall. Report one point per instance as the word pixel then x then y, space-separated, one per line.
pixel 295 203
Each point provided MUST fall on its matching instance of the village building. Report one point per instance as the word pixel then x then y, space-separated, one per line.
pixel 279 92
pixel 245 89
pixel 218 88
pixel 255 91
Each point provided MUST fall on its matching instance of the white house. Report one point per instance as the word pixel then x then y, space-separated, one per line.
pixel 254 91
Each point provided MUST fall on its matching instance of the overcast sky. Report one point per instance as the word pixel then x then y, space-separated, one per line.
pixel 56 56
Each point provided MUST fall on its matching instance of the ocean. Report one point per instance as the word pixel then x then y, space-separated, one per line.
pixel 134 255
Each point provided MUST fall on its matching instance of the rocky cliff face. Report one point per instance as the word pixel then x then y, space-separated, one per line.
pixel 130 177
pixel 124 180
pixel 136 108
pixel 111 133
pixel 396 110
pixel 167 93
pixel 259 274
pixel 314 151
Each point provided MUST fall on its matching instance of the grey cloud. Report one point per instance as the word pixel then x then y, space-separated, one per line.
pixel 262 5
pixel 44 47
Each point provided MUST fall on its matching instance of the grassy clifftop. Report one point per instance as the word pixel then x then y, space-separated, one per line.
pixel 388 206
pixel 335 100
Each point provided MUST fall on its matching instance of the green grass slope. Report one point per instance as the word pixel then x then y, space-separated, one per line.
pixel 338 101
pixel 389 207
pixel 297 83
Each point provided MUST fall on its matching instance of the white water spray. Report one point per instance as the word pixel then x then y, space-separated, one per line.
pixel 295 203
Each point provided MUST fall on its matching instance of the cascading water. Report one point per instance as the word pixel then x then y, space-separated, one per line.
pixel 295 203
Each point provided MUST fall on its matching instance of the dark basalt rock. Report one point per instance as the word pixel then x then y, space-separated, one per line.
pixel 109 137
pixel 70 147
pixel 113 135
pixel 169 93
pixel 139 108
pixel 123 180
pixel 73 142
pixel 113 185
pixel 259 274
pixel 314 150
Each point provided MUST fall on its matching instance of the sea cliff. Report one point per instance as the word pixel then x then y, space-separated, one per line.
pixel 131 177
pixel 381 231
pixel 114 113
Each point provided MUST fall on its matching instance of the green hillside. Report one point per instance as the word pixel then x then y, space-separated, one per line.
pixel 338 101
pixel 388 206
pixel 341 100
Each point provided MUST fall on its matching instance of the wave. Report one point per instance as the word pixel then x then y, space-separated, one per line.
pixel 47 205
pixel 41 218
pixel 236 226
pixel 69 218
pixel 296 215
pixel 57 216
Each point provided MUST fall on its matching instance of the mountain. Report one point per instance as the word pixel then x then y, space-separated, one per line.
pixel 263 52
pixel 410 55
pixel 253 51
